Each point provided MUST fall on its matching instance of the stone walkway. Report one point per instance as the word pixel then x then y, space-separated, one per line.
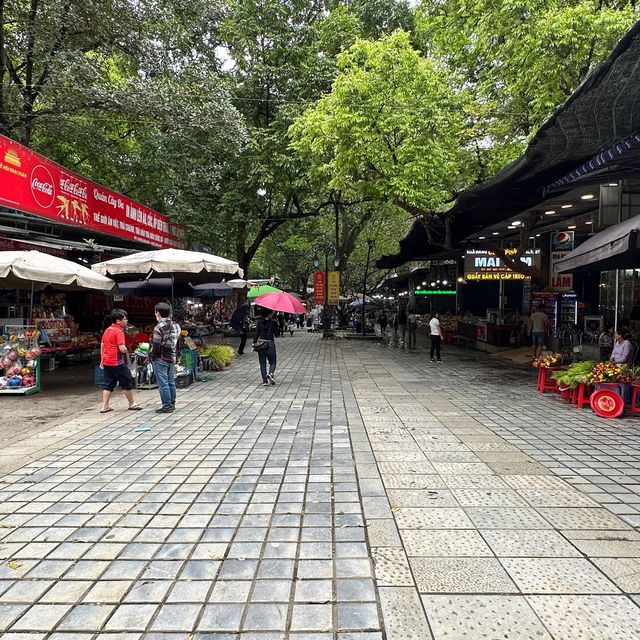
pixel 368 495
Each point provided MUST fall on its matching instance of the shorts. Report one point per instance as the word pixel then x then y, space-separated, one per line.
pixel 119 374
pixel 538 338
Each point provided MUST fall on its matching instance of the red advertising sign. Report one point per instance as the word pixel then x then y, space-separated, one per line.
pixel 318 287
pixel 33 184
pixel 6 244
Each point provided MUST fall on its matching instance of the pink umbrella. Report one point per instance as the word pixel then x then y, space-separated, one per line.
pixel 282 301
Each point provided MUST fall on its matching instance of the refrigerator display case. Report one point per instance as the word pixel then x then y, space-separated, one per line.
pixel 568 310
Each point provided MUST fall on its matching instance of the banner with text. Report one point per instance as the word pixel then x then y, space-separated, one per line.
pixel 481 264
pixel 318 287
pixel 334 287
pixel 562 243
pixel 33 184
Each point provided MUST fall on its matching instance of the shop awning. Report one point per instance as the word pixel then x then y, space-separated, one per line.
pixel 616 247
pixel 600 114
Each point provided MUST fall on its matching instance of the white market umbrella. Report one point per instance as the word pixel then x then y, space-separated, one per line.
pixel 180 265
pixel 36 270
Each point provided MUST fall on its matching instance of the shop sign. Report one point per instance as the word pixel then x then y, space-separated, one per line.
pixel 318 287
pixel 434 292
pixel 559 281
pixel 334 287
pixel 33 184
pixel 562 241
pixel 481 264
pixel 6 244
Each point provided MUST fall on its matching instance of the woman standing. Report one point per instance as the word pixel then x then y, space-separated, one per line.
pixel 436 337
pixel 264 343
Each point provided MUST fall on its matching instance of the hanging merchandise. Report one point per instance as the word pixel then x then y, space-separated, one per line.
pixel 20 360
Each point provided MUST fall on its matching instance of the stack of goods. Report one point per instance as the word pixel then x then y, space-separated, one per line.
pixel 19 360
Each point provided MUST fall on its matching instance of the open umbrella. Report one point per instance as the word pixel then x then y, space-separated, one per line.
pixel 156 287
pixel 35 270
pixel 281 301
pixel 261 290
pixel 180 265
pixel 239 315
pixel 213 290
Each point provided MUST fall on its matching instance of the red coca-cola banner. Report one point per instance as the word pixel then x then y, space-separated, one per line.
pixel 318 287
pixel 33 184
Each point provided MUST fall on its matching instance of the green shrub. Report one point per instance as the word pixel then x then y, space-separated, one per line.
pixel 220 355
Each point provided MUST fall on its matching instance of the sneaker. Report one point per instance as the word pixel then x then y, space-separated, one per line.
pixel 432 360
pixel 270 378
pixel 168 409
pixel 438 360
pixel 265 384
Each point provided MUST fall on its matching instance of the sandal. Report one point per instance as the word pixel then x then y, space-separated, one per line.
pixel 106 410
pixel 135 407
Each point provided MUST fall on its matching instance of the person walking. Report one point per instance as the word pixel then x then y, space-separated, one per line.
pixel 538 329
pixel 412 329
pixel 241 325
pixel 402 324
pixel 383 321
pixel 435 330
pixel 164 355
pixel 267 329
pixel 112 362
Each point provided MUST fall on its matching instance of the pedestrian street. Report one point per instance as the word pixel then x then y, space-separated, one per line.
pixel 368 495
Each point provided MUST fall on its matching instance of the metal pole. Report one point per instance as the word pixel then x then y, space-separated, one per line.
pixel 364 287
pixel 325 312
pixel 617 300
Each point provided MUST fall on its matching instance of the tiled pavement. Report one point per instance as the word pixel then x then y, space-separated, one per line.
pixel 368 495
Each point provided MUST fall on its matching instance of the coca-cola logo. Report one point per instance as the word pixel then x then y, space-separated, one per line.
pixel 42 188
pixel 74 189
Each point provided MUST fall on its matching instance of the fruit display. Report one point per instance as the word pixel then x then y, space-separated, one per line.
pixel 19 360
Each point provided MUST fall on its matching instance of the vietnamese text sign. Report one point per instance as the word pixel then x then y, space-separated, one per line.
pixel 33 184
pixel 318 287
pixel 559 281
pixel 481 264
pixel 334 287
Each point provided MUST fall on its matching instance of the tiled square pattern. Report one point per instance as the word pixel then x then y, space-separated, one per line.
pixel 367 495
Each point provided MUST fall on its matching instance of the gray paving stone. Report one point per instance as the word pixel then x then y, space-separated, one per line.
pixel 358 616
pixel 312 617
pixel 483 617
pixel 404 618
pixel 177 617
pixel 131 617
pixel 85 617
pixel 589 617
pixel 265 617
pixel 461 575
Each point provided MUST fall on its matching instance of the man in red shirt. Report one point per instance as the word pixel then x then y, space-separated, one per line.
pixel 112 350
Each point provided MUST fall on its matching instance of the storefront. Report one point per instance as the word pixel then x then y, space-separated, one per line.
pixel 45 206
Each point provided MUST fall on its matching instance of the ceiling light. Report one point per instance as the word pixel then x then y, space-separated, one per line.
pixel 481 237
pixel 537 235
pixel 531 237
pixel 433 284
pixel 510 227
pixel 611 184
pixel 424 284
pixel 515 223
pixel 587 196
pixel 445 282
pixel 566 206
pixel 571 226
pixel 589 222
pixel 550 212
pixel 495 233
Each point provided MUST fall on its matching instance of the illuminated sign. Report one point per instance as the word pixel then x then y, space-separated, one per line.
pixel 438 292
pixel 480 264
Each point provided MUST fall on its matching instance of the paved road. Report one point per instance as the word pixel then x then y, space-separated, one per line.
pixel 368 495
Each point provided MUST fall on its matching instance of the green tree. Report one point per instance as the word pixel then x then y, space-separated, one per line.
pixel 521 59
pixel 391 131
pixel 127 93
